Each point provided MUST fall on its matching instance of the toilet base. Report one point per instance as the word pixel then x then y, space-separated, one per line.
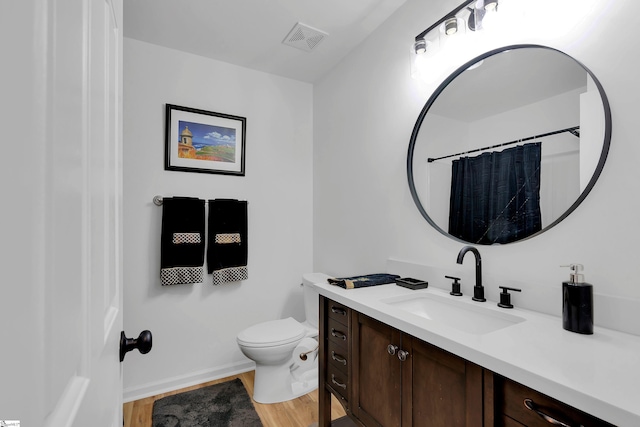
pixel 274 384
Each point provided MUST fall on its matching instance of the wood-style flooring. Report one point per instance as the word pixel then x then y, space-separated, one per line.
pixel 300 412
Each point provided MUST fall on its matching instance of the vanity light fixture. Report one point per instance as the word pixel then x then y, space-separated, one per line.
pixel 420 46
pixel 472 23
pixel 484 11
pixel 449 16
pixel 491 5
pixel 474 10
pixel 470 14
pixel 489 12
pixel 451 26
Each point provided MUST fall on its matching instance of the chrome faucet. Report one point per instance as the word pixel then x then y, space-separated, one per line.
pixel 478 289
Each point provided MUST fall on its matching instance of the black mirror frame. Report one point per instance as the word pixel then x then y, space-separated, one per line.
pixel 460 70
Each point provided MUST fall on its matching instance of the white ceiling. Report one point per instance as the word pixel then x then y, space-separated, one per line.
pixel 249 33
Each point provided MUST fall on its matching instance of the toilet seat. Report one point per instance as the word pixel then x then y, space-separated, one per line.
pixel 272 333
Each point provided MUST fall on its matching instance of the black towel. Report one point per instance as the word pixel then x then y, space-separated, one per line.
pixel 182 241
pixel 227 252
pixel 364 281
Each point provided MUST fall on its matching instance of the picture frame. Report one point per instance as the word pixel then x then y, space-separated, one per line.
pixel 204 141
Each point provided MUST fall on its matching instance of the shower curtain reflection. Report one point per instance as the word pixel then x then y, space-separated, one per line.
pixel 495 197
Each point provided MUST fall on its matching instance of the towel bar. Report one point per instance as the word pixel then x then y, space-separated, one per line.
pixel 157 200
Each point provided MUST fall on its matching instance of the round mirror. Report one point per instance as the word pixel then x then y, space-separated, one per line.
pixel 508 145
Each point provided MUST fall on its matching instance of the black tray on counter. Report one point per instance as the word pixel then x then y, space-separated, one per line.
pixel 411 283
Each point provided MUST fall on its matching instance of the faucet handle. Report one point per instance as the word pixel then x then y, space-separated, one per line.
pixel 455 286
pixel 505 296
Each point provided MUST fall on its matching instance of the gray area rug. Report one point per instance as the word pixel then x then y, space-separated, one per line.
pixel 221 405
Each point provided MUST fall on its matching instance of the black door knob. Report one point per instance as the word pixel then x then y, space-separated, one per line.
pixel 142 343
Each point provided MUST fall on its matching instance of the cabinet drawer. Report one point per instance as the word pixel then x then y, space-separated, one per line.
pixel 510 422
pixel 338 312
pixel 512 404
pixel 337 380
pixel 337 333
pixel 337 356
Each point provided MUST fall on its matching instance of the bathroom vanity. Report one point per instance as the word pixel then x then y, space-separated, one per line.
pixel 398 357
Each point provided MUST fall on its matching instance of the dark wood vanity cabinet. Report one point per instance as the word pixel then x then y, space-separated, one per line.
pixel 334 357
pixel 441 388
pixel 386 378
pixel 376 374
pixel 338 350
pixel 401 381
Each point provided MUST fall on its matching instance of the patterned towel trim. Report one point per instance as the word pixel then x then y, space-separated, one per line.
pixel 231 274
pixel 180 238
pixel 180 275
pixel 228 238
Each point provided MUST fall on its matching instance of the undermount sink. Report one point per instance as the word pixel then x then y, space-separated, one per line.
pixel 470 317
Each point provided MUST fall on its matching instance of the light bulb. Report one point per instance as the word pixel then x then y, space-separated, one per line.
pixel 426 67
pixel 420 46
pixel 451 26
pixel 491 6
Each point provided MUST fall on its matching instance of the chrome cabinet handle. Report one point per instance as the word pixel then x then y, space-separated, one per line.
pixel 392 349
pixel 338 310
pixel 402 355
pixel 530 405
pixel 338 358
pixel 333 380
pixel 338 334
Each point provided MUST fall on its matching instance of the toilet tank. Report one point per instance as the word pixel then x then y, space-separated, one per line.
pixel 311 296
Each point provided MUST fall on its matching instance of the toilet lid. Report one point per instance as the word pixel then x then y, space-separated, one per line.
pixel 272 333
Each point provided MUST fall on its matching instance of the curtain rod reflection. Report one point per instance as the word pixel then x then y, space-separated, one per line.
pixel 575 131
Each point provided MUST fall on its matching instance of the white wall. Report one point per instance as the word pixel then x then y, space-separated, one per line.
pixel 364 112
pixel 194 326
pixel 433 180
pixel 591 127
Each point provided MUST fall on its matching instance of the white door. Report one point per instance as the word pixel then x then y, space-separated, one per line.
pixel 60 212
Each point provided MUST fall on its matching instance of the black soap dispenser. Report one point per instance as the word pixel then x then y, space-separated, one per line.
pixel 577 303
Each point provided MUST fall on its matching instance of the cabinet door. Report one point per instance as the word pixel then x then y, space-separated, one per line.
pixel 376 389
pixel 439 388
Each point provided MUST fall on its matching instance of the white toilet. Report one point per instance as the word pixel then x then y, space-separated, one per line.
pixel 276 347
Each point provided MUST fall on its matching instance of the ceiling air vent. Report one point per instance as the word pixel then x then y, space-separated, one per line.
pixel 304 37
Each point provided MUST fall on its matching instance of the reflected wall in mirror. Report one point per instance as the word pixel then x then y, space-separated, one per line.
pixel 509 145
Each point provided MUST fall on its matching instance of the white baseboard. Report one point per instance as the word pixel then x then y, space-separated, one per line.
pixel 169 384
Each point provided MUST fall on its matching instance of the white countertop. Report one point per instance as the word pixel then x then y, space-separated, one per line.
pixel 598 374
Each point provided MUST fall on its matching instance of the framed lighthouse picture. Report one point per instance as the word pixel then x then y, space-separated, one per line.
pixel 204 141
